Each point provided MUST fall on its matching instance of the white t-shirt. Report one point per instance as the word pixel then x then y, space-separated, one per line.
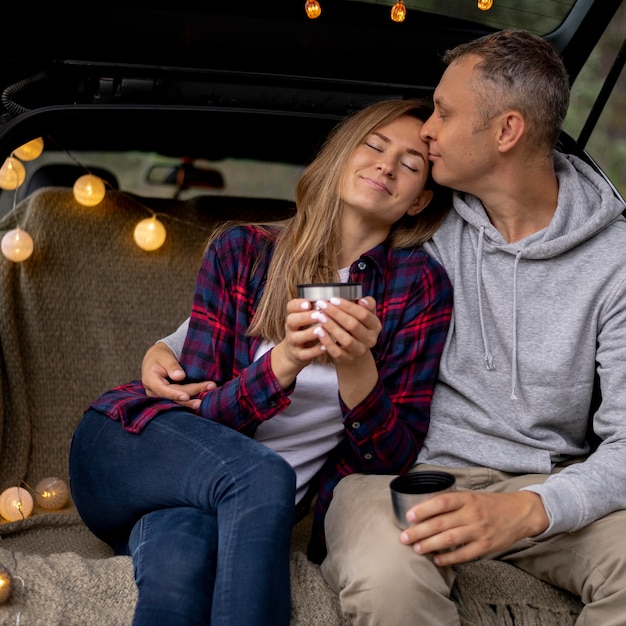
pixel 310 427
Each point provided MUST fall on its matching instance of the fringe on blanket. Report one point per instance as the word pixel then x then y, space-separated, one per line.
pixel 512 597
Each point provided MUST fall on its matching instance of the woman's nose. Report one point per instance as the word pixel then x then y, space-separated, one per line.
pixel 385 168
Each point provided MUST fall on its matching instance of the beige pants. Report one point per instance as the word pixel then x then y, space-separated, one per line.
pixel 382 582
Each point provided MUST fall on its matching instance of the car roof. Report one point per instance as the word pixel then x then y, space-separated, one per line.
pixel 168 79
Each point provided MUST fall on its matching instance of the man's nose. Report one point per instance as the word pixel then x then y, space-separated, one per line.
pixel 426 132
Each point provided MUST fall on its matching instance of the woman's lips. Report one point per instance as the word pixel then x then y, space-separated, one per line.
pixel 377 184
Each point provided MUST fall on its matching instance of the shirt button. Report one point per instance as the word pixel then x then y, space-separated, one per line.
pixel 367 456
pixel 356 424
pixel 273 404
pixel 362 265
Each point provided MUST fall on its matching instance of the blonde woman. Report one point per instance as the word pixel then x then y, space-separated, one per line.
pixel 302 394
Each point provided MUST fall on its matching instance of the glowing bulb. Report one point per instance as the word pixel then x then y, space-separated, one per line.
pixel 15 504
pixel 6 584
pixel 89 190
pixel 398 11
pixel 51 493
pixel 485 5
pixel 313 9
pixel 30 150
pixel 12 173
pixel 149 234
pixel 17 245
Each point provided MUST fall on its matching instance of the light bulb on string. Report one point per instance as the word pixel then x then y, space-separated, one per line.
pixel 485 5
pixel 17 245
pixel 150 234
pixel 6 584
pixel 15 504
pixel 51 493
pixel 398 11
pixel 313 9
pixel 12 173
pixel 89 190
pixel 30 151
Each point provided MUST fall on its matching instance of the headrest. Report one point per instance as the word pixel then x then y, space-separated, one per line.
pixel 65 175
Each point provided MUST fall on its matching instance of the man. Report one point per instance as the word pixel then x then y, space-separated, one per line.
pixel 536 250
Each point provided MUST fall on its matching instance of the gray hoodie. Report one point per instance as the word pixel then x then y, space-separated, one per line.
pixel 532 321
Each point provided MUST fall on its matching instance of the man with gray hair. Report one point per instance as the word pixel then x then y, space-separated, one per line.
pixel 536 249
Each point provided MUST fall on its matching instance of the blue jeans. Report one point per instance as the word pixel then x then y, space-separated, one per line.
pixel 205 512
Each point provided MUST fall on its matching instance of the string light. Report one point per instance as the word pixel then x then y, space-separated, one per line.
pixel 51 493
pixel 6 584
pixel 15 504
pixel 30 150
pixel 12 173
pixel 150 234
pixel 17 245
pixel 89 190
pixel 485 5
pixel 398 11
pixel 312 9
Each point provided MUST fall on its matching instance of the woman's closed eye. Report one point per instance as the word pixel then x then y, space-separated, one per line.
pixel 410 165
pixel 374 147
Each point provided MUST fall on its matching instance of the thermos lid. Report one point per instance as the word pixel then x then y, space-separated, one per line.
pixel 325 291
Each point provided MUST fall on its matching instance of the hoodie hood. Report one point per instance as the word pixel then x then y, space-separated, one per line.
pixel 586 205
pixel 504 292
pixel 534 323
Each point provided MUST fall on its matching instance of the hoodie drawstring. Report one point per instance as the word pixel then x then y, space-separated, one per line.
pixel 488 357
pixel 518 256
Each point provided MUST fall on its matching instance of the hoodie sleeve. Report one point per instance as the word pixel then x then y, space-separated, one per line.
pixel 583 492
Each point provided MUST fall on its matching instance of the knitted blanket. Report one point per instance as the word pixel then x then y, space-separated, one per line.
pixel 64 576
pixel 76 319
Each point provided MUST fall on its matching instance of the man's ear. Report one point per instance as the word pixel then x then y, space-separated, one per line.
pixel 421 202
pixel 512 128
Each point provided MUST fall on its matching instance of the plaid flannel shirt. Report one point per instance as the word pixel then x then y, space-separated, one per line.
pixel 384 432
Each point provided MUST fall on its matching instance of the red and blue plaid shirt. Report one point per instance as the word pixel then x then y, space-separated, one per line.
pixel 384 432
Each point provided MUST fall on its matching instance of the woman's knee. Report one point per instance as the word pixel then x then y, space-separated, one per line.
pixel 276 474
pixel 268 484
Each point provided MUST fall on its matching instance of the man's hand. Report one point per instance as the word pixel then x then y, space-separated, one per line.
pixel 159 367
pixel 463 525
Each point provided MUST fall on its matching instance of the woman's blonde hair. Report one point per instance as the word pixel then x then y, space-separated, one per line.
pixel 307 245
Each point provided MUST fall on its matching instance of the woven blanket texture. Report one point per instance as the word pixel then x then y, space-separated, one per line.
pixel 75 320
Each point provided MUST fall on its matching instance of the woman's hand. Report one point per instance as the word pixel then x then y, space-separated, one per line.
pixel 347 332
pixel 159 368
pixel 300 345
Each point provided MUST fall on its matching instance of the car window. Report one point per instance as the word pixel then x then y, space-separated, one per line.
pixel 152 175
pixel 606 142
pixel 539 18
pixel 146 174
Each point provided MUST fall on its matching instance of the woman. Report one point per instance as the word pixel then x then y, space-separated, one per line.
pixel 206 511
